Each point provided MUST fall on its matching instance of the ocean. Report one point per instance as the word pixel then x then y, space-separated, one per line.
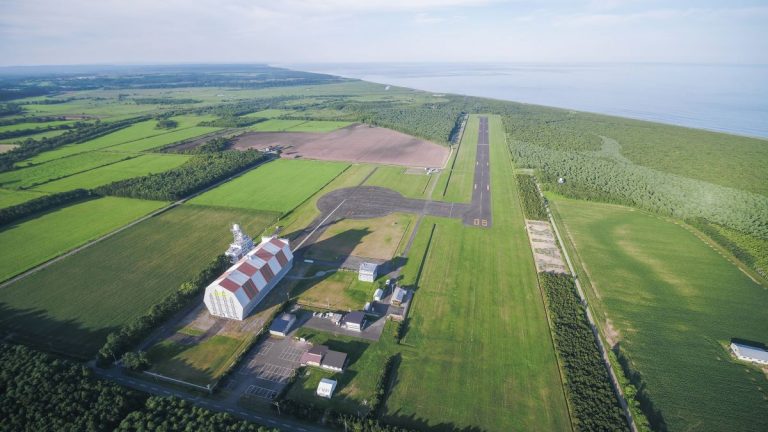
pixel 723 98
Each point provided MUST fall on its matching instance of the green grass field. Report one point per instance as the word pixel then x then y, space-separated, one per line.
pixel 13 197
pixel 318 126
pixel 478 353
pixel 34 241
pixel 73 304
pixel 675 303
pixel 22 126
pixel 28 177
pixel 357 383
pixel 275 125
pixel 462 175
pixel 139 166
pixel 201 363
pixel 397 178
pixel 157 141
pixel 276 186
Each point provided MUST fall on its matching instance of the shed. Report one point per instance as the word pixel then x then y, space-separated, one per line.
pixel 281 326
pixel 326 387
pixel 314 357
pixel 378 294
pixel 334 360
pixel 398 296
pixel 367 272
pixel 749 353
pixel 354 321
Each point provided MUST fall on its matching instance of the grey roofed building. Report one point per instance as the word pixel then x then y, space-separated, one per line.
pixel 281 326
pixel 398 296
pixel 334 360
pixel 367 272
pixel 354 320
pixel 314 356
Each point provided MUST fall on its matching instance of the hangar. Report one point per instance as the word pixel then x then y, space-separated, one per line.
pixel 236 292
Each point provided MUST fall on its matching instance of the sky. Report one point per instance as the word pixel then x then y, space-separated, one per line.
pixel 40 32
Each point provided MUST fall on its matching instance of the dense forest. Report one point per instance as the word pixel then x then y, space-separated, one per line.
pixel 533 207
pixel 193 176
pixel 42 393
pixel 594 403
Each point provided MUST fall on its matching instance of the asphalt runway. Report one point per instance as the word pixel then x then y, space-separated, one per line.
pixel 479 213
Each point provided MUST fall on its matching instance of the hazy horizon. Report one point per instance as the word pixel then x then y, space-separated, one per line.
pixel 143 32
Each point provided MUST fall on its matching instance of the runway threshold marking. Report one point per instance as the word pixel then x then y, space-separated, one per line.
pixel 477 221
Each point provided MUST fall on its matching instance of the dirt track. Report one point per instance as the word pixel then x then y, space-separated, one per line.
pixel 356 143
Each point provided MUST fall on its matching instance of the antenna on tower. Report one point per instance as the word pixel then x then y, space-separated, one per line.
pixel 240 245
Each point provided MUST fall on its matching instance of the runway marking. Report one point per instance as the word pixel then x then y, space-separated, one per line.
pixel 477 221
pixel 487 187
pixel 485 222
pixel 475 185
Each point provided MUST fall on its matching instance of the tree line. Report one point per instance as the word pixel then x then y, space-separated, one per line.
pixel 35 130
pixel 41 204
pixel 595 405
pixel 86 132
pixel 192 176
pixel 533 207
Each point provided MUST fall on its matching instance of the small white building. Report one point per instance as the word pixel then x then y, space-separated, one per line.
pixel 326 387
pixel 749 353
pixel 378 294
pixel 398 296
pixel 244 285
pixel 367 272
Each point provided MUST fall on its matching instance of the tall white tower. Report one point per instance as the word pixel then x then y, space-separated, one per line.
pixel 240 245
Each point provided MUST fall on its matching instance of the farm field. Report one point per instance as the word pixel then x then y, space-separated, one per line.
pixel 73 304
pixel 275 125
pixel 133 133
pixel 139 166
pixel 157 141
pixel 357 383
pixel 336 290
pixel 318 126
pixel 268 113
pixel 199 363
pixel 35 175
pixel 13 197
pixel 462 175
pixel 277 186
pixel 33 241
pixel 378 238
pixel 399 179
pixel 478 303
pixel 674 304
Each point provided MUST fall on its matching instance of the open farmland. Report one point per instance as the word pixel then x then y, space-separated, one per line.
pixel 479 353
pixel 356 143
pixel 35 175
pixel 13 197
pixel 42 125
pixel 411 183
pixel 73 304
pixel 139 166
pixel 33 241
pixel 157 141
pixel 334 290
pixel 275 125
pixel 673 303
pixel 318 126
pixel 276 186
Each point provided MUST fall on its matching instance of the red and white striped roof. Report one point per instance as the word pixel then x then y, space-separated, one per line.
pixel 257 268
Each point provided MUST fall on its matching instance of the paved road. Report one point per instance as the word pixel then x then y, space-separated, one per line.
pixel 479 213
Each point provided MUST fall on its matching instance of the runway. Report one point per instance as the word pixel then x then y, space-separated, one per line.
pixel 479 213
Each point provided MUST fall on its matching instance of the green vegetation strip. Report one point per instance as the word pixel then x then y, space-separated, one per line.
pixel 595 405
pixel 37 240
pixel 35 175
pixel 532 204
